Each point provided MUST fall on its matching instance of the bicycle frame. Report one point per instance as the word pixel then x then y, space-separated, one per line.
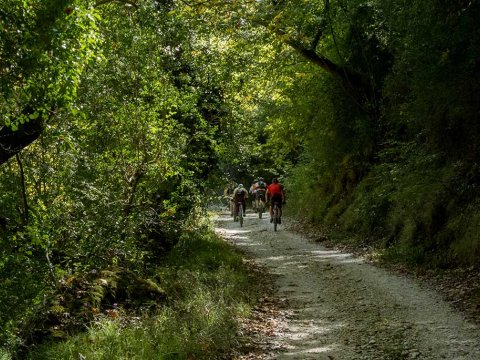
pixel 239 212
pixel 276 215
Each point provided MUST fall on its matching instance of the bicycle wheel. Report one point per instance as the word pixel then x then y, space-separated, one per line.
pixel 275 217
pixel 240 214
pixel 260 210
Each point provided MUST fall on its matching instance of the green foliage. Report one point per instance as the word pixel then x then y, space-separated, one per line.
pixel 43 49
pixel 115 180
pixel 207 285
pixel 367 109
pixel 396 163
pixel 464 228
pixel 434 75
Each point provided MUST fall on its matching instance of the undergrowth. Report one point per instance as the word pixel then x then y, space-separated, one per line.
pixel 207 287
pixel 414 208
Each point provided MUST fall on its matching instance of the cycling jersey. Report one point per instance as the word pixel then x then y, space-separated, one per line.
pixel 261 185
pixel 240 194
pixel 275 189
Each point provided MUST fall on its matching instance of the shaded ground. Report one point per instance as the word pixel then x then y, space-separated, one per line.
pixel 459 286
pixel 327 304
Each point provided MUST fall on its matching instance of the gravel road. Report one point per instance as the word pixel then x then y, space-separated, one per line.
pixel 335 306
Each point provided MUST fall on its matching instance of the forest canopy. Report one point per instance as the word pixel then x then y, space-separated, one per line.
pixel 122 120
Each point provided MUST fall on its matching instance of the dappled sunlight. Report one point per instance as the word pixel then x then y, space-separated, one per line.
pixel 245 242
pixel 305 338
pixel 296 262
pixel 332 300
pixel 330 254
pixel 304 332
pixel 235 231
pixel 351 261
pixel 223 218
pixel 240 238
pixel 278 258
pixel 337 256
pixel 301 354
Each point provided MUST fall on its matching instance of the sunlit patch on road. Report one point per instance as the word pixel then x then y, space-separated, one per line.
pixel 339 307
pixel 235 232
pixel 336 255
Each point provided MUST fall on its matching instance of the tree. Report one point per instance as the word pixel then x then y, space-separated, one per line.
pixel 44 48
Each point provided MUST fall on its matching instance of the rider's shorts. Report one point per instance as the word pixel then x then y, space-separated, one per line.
pixel 260 195
pixel 276 199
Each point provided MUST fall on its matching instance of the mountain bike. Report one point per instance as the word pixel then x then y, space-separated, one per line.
pixel 260 208
pixel 231 207
pixel 260 201
pixel 276 215
pixel 240 213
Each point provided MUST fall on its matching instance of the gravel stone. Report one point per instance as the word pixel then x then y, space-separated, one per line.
pixel 327 304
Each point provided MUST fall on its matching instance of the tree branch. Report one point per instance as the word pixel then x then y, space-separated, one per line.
pixel 347 75
pixel 317 37
pixel 24 190
pixel 12 142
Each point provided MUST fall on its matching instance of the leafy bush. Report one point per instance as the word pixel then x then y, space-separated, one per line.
pixel 207 287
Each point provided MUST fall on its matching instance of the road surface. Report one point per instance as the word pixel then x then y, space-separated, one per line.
pixel 336 306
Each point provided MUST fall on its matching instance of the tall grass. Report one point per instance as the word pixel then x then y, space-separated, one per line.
pixel 208 287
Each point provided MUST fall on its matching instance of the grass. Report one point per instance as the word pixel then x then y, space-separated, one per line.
pixel 208 287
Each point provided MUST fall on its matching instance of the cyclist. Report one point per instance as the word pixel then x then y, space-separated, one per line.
pixel 228 191
pixel 228 194
pixel 252 191
pixel 261 189
pixel 275 194
pixel 240 194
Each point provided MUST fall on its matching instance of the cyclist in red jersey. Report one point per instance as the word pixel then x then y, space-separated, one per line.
pixel 275 193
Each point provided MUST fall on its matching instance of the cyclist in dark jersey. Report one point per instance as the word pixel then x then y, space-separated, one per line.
pixel 240 194
pixel 275 194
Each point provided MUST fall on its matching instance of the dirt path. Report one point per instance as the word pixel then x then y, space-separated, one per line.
pixel 338 307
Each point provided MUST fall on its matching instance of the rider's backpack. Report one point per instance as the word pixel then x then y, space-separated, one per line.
pixel 261 185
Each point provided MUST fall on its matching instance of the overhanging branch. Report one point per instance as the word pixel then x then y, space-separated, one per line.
pixel 351 78
pixel 12 142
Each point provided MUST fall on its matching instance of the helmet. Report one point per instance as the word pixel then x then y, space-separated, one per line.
pixel 240 186
pixel 275 180
pixel 260 179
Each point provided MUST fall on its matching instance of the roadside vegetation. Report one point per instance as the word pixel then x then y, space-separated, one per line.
pixel 205 286
pixel 383 145
pixel 120 120
pixel 115 119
